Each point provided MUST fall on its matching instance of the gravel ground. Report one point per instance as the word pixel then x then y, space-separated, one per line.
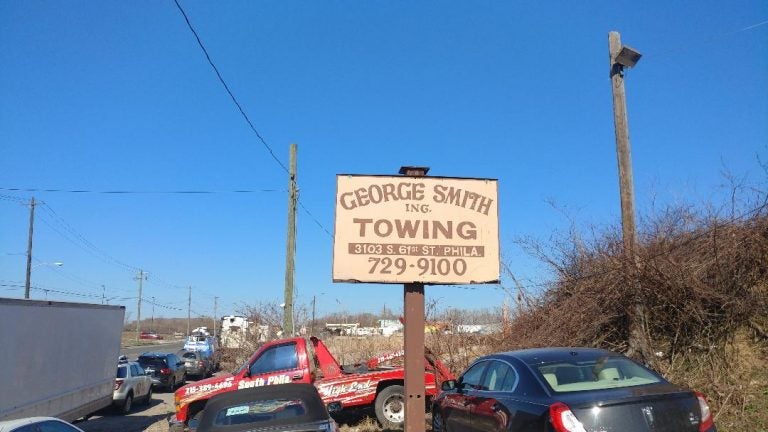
pixel 142 418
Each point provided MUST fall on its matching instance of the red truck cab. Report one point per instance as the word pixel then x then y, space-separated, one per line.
pixel 300 360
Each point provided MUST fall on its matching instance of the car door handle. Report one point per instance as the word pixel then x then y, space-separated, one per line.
pixel 298 376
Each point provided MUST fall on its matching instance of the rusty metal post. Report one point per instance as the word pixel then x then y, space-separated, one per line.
pixel 414 342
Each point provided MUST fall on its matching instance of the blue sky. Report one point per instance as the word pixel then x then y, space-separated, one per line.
pixel 104 96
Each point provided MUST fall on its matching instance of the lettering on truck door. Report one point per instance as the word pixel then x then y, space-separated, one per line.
pixel 278 364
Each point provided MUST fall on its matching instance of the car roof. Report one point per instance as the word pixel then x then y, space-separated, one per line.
pixel 316 410
pixel 534 356
pixel 155 354
pixel 9 424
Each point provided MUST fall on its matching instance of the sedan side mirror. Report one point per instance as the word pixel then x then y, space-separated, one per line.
pixel 448 385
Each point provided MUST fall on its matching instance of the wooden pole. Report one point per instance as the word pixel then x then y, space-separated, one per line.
pixel 290 249
pixel 413 294
pixel 189 311
pixel 27 283
pixel 636 314
pixel 138 308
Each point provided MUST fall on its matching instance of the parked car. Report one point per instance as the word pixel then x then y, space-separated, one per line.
pixel 281 407
pixel 167 370
pixel 205 343
pixel 566 390
pixel 38 424
pixel 131 383
pixel 147 335
pixel 198 363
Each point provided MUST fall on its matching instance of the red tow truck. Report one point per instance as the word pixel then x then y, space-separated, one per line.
pixel 308 360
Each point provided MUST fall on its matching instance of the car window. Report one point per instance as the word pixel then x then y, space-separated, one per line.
pixel 276 358
pixel 155 362
pixel 47 426
pixel 122 371
pixel 603 373
pixel 499 377
pixel 136 370
pixel 471 378
pixel 260 412
pixel 189 355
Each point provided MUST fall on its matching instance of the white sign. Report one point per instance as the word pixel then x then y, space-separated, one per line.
pixel 433 230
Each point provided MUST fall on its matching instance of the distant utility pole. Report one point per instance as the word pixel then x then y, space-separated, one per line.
pixel 620 57
pixel 290 249
pixel 153 313
pixel 103 293
pixel 312 332
pixel 29 247
pixel 140 277
pixel 189 312
pixel 215 307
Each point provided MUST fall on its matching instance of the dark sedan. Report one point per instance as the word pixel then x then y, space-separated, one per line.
pixel 281 407
pixel 566 390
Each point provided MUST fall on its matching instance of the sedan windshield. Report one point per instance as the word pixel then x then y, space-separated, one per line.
pixel 604 373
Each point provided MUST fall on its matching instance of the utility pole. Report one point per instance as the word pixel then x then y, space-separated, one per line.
pixel 153 313
pixel 215 306
pixel 141 276
pixel 413 301
pixel 103 293
pixel 189 312
pixel 621 57
pixel 290 249
pixel 314 298
pixel 29 247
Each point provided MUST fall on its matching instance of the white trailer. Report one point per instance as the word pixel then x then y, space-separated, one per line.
pixel 58 359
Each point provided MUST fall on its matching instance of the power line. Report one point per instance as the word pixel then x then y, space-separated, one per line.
pixel 708 40
pixel 82 242
pixel 139 192
pixel 241 110
pixel 317 222
pixel 226 87
pixel 12 199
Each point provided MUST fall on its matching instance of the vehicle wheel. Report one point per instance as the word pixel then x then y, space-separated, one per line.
pixel 126 408
pixel 390 407
pixel 172 384
pixel 438 423
pixel 148 399
pixel 183 380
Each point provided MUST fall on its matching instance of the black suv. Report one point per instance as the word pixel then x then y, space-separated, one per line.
pixel 166 369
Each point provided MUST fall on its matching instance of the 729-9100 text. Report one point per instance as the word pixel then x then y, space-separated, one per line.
pixel 433 266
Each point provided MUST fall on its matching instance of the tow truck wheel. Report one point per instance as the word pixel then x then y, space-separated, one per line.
pixel 390 407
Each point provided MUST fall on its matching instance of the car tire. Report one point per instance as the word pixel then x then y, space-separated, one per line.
pixel 172 384
pixel 183 380
pixel 127 404
pixel 438 422
pixel 148 398
pixel 390 407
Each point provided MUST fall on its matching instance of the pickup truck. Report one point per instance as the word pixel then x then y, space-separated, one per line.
pixel 308 360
